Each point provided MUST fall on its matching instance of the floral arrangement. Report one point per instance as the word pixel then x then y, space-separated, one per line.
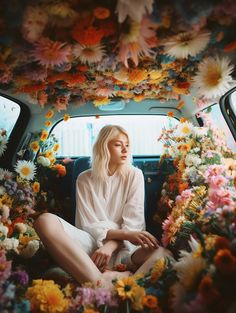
pixel 61 52
pixel 201 193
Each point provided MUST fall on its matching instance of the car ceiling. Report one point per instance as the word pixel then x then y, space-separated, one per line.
pixel 57 53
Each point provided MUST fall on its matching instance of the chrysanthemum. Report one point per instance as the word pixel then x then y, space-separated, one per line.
pixel 89 54
pixel 46 296
pixel 135 9
pixel 5 174
pixel 105 91
pixel 213 78
pixel 186 44
pixel 51 53
pixel 3 144
pixel 26 169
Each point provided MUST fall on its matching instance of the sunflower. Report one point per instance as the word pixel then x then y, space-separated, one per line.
pixel 213 78
pixel 186 44
pixel 125 287
pixel 26 169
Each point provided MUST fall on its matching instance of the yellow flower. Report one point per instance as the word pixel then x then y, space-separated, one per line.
pixel 6 200
pixel 44 135
pixel 137 298
pixel 157 269
pixel 138 98
pixel 137 75
pixel 125 287
pixel 47 123
pixel 101 101
pixel 36 186
pixel 49 114
pixel 46 296
pixel 49 154
pixel 34 146
pixel 66 117
pixel 56 147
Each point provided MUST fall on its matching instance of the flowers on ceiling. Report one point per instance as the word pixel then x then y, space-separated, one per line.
pixel 214 78
pixel 187 44
pixel 45 46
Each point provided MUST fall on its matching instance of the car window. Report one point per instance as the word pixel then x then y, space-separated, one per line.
pixel 77 135
pixel 10 112
pixel 217 117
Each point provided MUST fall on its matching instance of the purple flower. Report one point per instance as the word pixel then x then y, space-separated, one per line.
pixel 102 296
pixel 20 277
pixel 86 295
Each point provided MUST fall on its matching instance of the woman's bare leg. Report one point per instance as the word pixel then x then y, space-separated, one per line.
pixel 68 254
pixel 146 258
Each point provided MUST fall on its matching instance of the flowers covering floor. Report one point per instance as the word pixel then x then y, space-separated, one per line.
pixel 197 210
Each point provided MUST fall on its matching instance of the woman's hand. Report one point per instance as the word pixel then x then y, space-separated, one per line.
pixel 142 238
pixel 102 255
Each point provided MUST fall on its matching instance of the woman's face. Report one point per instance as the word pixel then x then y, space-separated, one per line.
pixel 119 150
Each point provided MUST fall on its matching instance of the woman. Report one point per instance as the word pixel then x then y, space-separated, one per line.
pixel 109 216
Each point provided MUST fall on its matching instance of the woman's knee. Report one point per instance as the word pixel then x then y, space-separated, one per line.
pixel 46 223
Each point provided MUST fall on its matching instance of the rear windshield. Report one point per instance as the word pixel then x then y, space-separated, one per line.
pixel 77 135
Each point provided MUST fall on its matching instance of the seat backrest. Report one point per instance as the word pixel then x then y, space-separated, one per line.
pixel 80 165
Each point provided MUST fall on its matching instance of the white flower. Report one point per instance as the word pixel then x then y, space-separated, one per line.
pixel 184 129
pixel 43 161
pixel 89 54
pixel 26 169
pixel 192 159
pixel 30 249
pixel 213 78
pixel 200 131
pixel 135 9
pixel 3 144
pixel 9 244
pixel 3 230
pixel 20 227
pixel 4 212
pixel 186 44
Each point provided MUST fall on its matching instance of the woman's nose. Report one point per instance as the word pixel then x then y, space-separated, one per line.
pixel 124 149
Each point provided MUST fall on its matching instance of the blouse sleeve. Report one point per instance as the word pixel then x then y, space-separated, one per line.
pixel 95 223
pixel 133 211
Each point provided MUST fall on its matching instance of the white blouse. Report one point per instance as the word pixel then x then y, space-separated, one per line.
pixel 114 204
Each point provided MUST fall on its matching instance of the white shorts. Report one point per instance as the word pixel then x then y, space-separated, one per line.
pixel 83 238
pixel 89 244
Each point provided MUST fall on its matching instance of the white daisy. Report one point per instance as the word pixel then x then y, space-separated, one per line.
pixel 26 169
pixel 186 44
pixel 3 144
pixel 213 78
pixel 184 129
pixel 135 9
pixel 89 54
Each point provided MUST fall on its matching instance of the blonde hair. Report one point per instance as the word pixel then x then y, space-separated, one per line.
pixel 101 155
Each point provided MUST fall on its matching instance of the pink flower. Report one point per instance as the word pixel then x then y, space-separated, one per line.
pixel 51 53
pixel 217 181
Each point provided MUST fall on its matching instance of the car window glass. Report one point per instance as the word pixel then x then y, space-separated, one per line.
pixel 10 112
pixel 219 120
pixel 77 135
